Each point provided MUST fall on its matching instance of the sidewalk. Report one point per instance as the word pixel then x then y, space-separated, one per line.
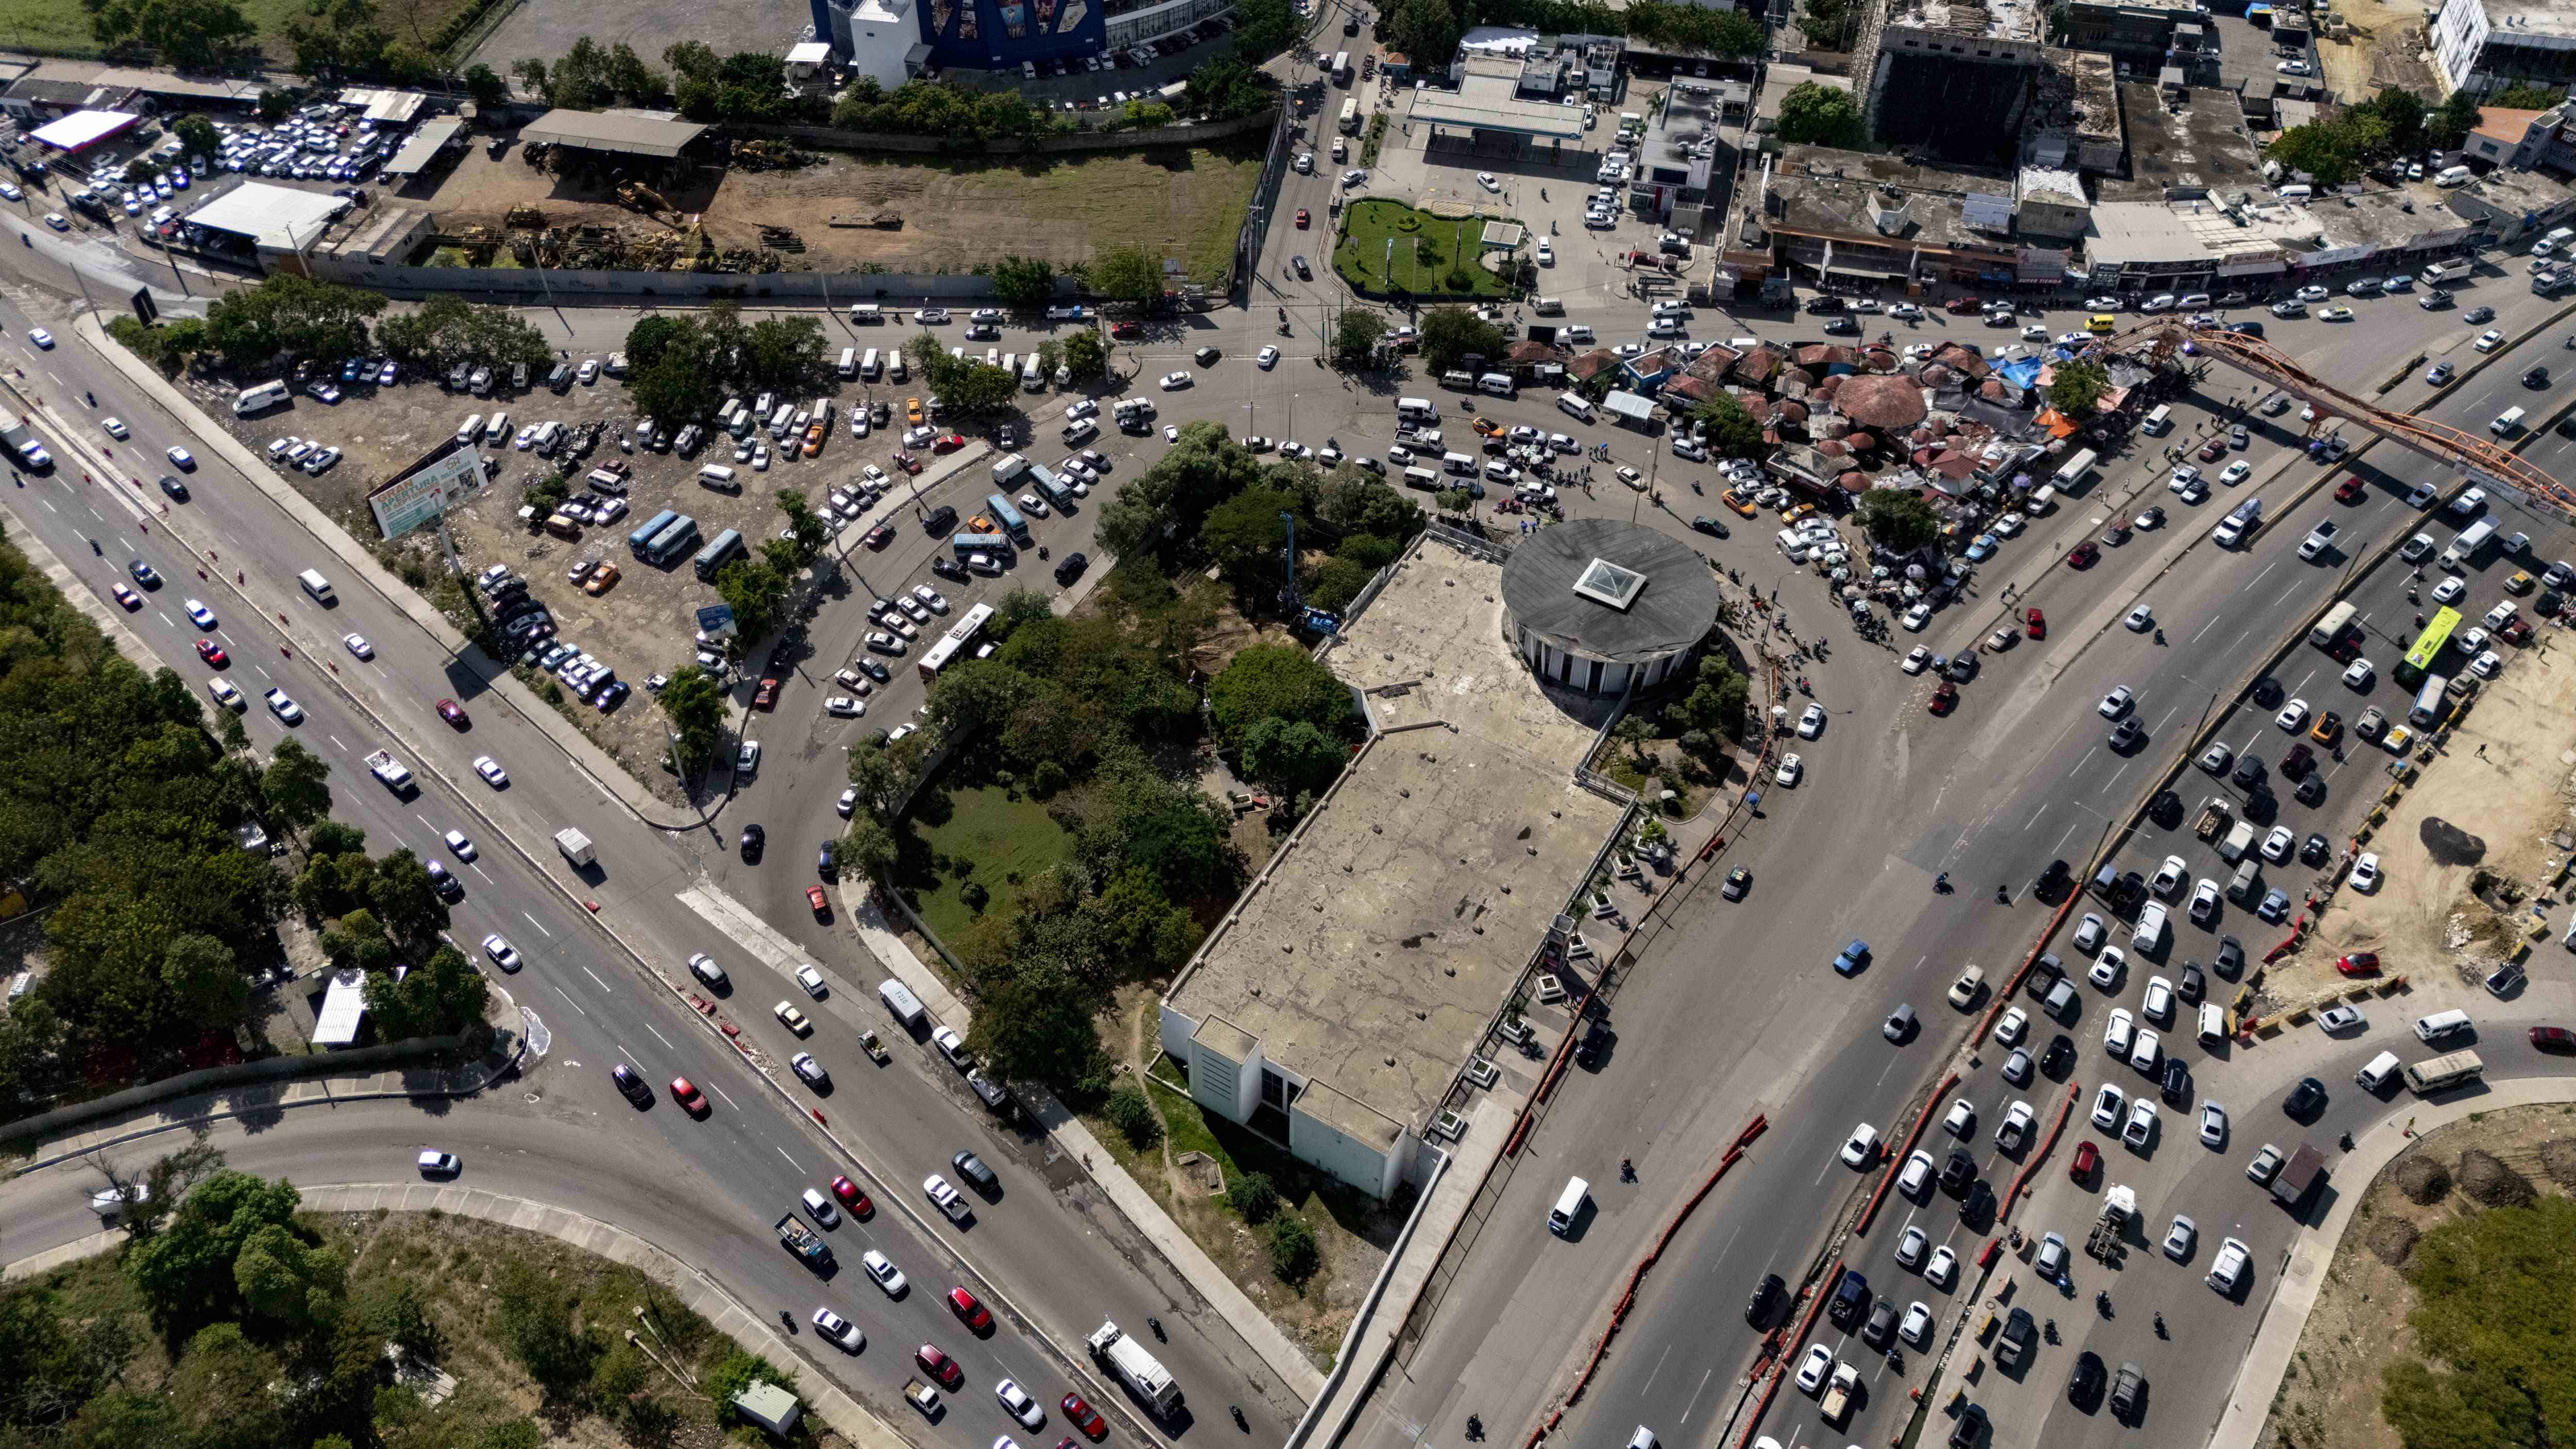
pixel 754 1331
pixel 1285 1359
pixel 2303 1276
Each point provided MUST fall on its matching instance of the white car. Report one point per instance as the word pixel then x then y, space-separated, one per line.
pixel 1486 180
pixel 2336 1019
pixel 503 954
pixel 2159 1003
pixel 225 694
pixel 113 427
pixel 2293 716
pixel 2119 1033
pixel 2358 675
pixel 747 758
pixel 2142 1124
pixel 2179 1238
pixel 456 842
pixel 1916 1326
pixel 491 771
pixel 1911 1246
pixel 839 1330
pixel 1546 253
pixel 1917 617
pixel 2277 846
pixel 2106 971
pixel 200 615
pixel 357 644
pixel 2088 933
pixel 2486 665
pixel 1174 381
pixel 2365 872
pixel 1861 1148
pixel 2108 1104
pixel 1811 721
pixel 284 708
pixel 2148 1052
pixel 2235 473
pixel 2228 1268
pixel 1791 767
pixel 1916 661
pixel 2014 1133
pixel 792 1019
pixel 841 706
pixel 2170 877
pixel 1961 1122
pixel 2011 1026
pixel 2213 1125
pixel 2489 340
pixel 882 1269
pixel 1915 1180
pixel 2141 619
pixel 1266 358
pixel 1017 1403
pixel 1943 1269
pixel 182 457
pixel 2116 703
pixel 1815 1368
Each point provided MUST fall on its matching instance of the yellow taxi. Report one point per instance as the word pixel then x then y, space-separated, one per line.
pixel 912 411
pixel 1740 501
pixel 2102 323
pixel 2520 583
pixel 1486 428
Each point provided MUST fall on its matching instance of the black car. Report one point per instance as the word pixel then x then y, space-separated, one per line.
pixel 2306 1099
pixel 941 519
pixel 2477 315
pixel 824 865
pixel 2267 691
pixel 1881 1325
pixel 1841 327
pixel 1851 1296
pixel 1970 1428
pixel 2246 329
pixel 2127 734
pixel 2052 880
pixel 2045 973
pixel 873 670
pixel 2315 849
pixel 2231 958
pixel 1978 1204
pixel 1595 1045
pixel 2311 791
pixel 2194 983
pixel 1825 306
pixel 630 1085
pixel 1766 1296
pixel 1070 567
pixel 948 568
pixel 2165 809
pixel 977 1175
pixel 2116 535
pixel 2085 1384
pixel 2177 1083
pixel 754 841
pixel 2536 378
pixel 1958 1172
pixel 174 487
pixel 2059 1059
pixel 2249 772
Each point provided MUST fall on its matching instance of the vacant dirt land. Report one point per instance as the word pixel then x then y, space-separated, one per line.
pixel 2383 48
pixel 1183 202
pixel 2330 1399
pixel 2465 849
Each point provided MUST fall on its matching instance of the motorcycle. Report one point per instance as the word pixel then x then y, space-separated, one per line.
pixel 1042 550
pixel 1240 1422
pixel 1156 1325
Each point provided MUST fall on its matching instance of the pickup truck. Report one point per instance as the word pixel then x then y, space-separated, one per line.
pixel 395 774
pixel 2238 841
pixel 1837 1402
pixel 923 1397
pixel 804 1242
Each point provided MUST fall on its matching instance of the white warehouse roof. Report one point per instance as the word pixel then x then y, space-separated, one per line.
pixel 273 216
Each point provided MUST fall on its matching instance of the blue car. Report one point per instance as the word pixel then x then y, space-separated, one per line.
pixel 1982 547
pixel 1854 956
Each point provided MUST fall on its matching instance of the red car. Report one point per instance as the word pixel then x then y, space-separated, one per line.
pixel 947 443
pixel 207 651
pixel 1944 699
pixel 1082 1416
pixel 879 536
pixel 2035 624
pixel 2214 449
pixel 2087 1158
pixel 452 712
pixel 821 903
pixel 765 697
pixel 691 1100
pixel 855 1200
pixel 2516 631
pixel 1126 331
pixel 2359 963
pixel 1964 305
pixel 907 462
pixel 939 1366
pixel 2086 554
pixel 1302 218
pixel 2349 490
pixel 969 1310
pixel 2553 1038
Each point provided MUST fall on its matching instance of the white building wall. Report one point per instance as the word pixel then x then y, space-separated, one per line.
pixel 1358 1163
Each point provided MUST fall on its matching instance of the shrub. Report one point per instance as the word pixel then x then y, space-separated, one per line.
pixel 1133 1116
pixel 1292 1249
pixel 1253 1196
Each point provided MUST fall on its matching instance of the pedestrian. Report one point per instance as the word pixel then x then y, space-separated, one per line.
pixel 2482 752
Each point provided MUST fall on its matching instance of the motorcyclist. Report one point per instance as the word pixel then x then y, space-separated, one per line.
pixel 2003 896
pixel 2160 636
pixel 1941 882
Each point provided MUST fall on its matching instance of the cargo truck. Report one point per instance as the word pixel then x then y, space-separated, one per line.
pixel 804 1242
pixel 1138 1369
pixel 14 433
pixel 574 845
pixel 2298 1177
pixel 395 774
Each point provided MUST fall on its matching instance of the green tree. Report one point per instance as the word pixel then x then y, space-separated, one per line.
pixel 223 1391
pixel 1244 536
pixel 2460 114
pixel 1291 755
pixel 1814 114
pixel 2077 387
pixel 1898 518
pixel 485 85
pixel 812 530
pixel 181 34
pixel 1355 337
pixel 1133 1116
pixel 126 1419
pixel 675 389
pixel 1277 681
pixel 1086 355
pixel 869 849
pixel 198 137
pixel 696 708
pixel 1729 429
pixel 295 789
pixel 1719 701
pixel 1253 1195
pixel 1127 274
pixel 1034 1025
pixel 446 997
pixel 2322 149
pixel 289 316
pixel 1452 334
pixel 2490 1323
pixel 403 898
pixel 1293 1257
pixel 754 589
pixel 185 1272
pixel 539 1330
pixel 1023 283
pixel 280 1276
pixel 736 1372
pixel 882 783
pixel 651 337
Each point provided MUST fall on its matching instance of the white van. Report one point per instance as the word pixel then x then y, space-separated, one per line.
pixel 1574 407
pixel 317 586
pixel 1569 1205
pixel 2507 423
pixel 470 429
pixel 1458 463
pixel 868 364
pixel 2298 193
pixel 2441 1026
pixel 1576 334
pixel 866 314
pixel 717 475
pixel 2378 1073
pixel 896 370
pixel 849 362
pixel 1499 384
pixel 2042 499
pixel 2451 176
pixel 1416 410
pixel 898 998
pixel 498 429
pixel 2159 422
pixel 2213 1024
pixel 2149 933
pixel 1429 482
pixel 1549 306
pixel 781 418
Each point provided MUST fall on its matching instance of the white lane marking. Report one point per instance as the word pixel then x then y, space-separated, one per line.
pixel 2205 628
pixel 729 1101
pixel 1695 1393
pixel 568 1001
pixel 657 1035
pixel 604 986
pixel 792 1162
pixel 540 925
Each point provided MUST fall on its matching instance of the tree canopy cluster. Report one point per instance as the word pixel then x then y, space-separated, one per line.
pixel 445 331
pixel 1813 114
pixel 593 77
pixel 121 798
pixel 937 108
pixel 382 913
pixel 2491 1325
pixel 2396 123
pixel 748 85
pixel 682 367
pixel 348 40
pixel 968 387
pixel 254 329
pixel 1452 334
pixel 181 34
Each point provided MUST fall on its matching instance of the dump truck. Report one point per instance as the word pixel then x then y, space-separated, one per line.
pixel 1138 1369
pixel 1837 1402
pixel 574 845
pixel 2298 1177
pixel 2118 1206
pixel 804 1242
pixel 395 774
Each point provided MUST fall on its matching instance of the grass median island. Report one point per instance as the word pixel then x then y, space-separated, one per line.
pixel 1432 255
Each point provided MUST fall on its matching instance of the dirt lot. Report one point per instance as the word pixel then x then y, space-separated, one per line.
pixel 1179 201
pixel 642 624
pixel 2465 850
pixel 2330 1399
pixel 2382 49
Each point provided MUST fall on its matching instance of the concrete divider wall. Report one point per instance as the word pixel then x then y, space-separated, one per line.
pixel 568 285
pixel 422 1051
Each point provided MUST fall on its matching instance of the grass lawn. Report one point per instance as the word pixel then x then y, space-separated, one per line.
pixel 47 26
pixel 1361 253
pixel 979 826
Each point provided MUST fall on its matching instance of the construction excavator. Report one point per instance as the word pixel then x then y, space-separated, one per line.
pixel 640 197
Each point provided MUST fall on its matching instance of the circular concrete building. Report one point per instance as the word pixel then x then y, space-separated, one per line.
pixel 1597 605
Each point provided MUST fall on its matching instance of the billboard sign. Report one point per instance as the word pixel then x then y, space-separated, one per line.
pixel 420 493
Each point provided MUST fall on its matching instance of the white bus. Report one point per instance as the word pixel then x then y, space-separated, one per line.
pixel 1351 116
pixel 959 636
pixel 1342 68
pixel 256 399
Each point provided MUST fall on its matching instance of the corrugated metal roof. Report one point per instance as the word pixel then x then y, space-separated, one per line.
pixel 597 131
pixel 424 145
